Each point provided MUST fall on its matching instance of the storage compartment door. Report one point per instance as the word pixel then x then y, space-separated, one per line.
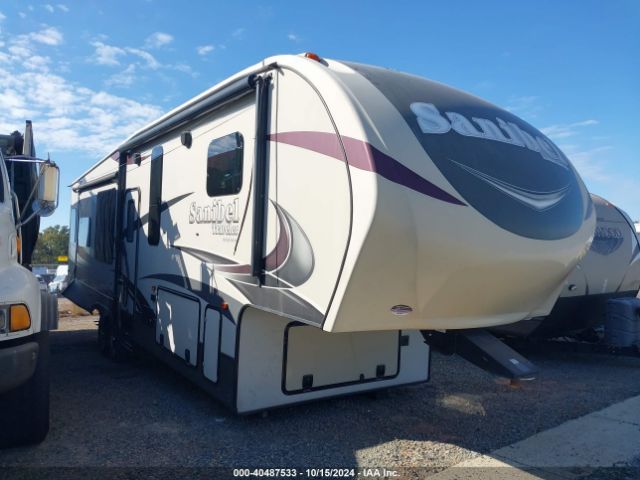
pixel 178 317
pixel 211 344
pixel 316 359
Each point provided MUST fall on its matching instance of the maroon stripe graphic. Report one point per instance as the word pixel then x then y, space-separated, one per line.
pixel 274 259
pixel 364 156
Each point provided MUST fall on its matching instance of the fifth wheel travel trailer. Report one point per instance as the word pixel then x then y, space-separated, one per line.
pixel 28 190
pixel 297 231
pixel 611 269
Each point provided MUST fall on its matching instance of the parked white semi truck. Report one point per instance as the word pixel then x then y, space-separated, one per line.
pixel 28 190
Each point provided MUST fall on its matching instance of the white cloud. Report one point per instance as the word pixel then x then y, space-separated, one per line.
pixel 22 15
pixel 184 68
pixel 37 62
pixel 158 39
pixel 63 7
pixel 107 54
pixel 150 60
pixel 124 78
pixel 22 49
pixel 566 130
pixel 238 33
pixel 48 36
pixel 591 163
pixel 525 106
pixel 69 117
pixel 136 59
pixel 2 16
pixel 293 37
pixel 49 8
pixel 205 49
pixel 597 166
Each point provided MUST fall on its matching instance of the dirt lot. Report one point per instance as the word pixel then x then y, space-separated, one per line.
pixel 142 414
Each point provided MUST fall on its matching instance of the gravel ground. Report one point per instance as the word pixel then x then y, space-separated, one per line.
pixel 142 414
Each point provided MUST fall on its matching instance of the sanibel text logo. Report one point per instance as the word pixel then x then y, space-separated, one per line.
pixel 224 217
pixel 431 120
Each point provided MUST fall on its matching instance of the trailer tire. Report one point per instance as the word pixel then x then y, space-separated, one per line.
pixel 25 410
pixel 108 343
pixel 104 335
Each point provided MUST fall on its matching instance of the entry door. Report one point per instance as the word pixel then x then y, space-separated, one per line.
pixel 130 250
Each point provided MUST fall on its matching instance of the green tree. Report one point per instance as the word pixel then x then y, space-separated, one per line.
pixel 52 243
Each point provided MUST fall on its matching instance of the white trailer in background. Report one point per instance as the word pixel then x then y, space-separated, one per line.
pixel 611 269
pixel 293 232
pixel 26 313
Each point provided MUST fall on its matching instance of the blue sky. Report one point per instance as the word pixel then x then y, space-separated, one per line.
pixel 89 73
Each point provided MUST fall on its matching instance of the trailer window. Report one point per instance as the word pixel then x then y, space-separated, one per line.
pixel 86 212
pixel 1 183
pixel 224 165
pixel 131 221
pixel 105 225
pixel 73 233
pixel 155 195
pixel 84 232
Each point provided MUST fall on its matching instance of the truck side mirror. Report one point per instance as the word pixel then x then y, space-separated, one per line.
pixel 48 189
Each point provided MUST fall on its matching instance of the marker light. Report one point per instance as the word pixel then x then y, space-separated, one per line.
pixel 19 318
pixel 401 309
pixel 313 56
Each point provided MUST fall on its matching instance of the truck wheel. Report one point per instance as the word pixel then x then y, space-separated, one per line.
pixel 25 410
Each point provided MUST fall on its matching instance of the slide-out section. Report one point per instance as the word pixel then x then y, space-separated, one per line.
pixel 312 199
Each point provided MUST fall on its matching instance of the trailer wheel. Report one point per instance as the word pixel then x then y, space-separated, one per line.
pixel 108 343
pixel 25 410
pixel 104 335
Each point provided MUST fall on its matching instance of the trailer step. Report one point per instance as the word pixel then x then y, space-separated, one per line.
pixel 484 350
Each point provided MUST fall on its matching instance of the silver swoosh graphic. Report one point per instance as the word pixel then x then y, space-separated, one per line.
pixel 539 201
pixel 288 265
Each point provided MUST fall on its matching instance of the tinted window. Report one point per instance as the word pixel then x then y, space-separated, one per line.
pixel 1 183
pixel 224 165
pixel 86 212
pixel 73 233
pixel 155 195
pixel 84 232
pixel 131 221
pixel 105 225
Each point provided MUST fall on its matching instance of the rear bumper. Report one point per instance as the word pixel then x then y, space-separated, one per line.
pixel 17 363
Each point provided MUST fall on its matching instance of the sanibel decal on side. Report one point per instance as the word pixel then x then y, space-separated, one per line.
pixel 224 217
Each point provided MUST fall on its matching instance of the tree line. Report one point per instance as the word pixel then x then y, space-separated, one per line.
pixel 53 242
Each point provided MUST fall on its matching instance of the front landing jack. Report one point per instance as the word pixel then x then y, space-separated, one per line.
pixel 484 350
